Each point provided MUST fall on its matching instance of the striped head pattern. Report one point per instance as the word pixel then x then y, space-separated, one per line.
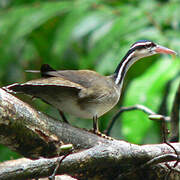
pixel 138 50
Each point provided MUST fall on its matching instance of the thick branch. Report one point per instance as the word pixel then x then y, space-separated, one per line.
pixel 103 161
pixel 34 134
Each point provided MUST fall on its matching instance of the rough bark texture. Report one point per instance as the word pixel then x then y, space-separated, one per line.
pixel 35 135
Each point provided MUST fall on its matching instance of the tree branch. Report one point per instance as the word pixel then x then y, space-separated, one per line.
pixel 103 160
pixel 131 108
pixel 34 134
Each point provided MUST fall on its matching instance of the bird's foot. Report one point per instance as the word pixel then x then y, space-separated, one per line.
pixel 97 132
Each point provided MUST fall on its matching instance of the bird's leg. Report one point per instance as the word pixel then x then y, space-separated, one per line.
pixel 63 116
pixel 96 129
pixel 95 125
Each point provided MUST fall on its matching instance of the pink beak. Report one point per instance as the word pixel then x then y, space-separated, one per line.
pixel 164 50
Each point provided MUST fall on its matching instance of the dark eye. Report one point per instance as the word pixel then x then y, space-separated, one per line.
pixel 148 46
pixel 153 44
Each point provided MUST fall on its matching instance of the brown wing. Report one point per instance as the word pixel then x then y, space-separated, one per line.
pixel 39 86
pixel 84 81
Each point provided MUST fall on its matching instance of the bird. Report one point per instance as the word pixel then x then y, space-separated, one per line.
pixel 85 93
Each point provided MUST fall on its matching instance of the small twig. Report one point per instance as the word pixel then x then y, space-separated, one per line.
pixel 164 131
pixel 130 108
pixel 175 169
pixel 63 116
pixel 67 147
pixel 175 117
pixel 164 135
pixel 154 161
pixel 58 163
pixel 161 159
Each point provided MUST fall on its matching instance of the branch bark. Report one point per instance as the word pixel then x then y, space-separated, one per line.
pixel 35 135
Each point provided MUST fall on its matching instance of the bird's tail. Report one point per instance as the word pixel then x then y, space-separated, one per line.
pixel 45 68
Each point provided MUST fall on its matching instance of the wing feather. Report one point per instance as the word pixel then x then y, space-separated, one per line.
pixel 34 87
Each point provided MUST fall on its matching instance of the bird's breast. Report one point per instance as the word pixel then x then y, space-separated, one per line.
pixel 101 104
pixel 86 108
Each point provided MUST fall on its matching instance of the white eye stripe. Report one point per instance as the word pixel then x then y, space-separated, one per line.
pixel 124 64
pixel 140 44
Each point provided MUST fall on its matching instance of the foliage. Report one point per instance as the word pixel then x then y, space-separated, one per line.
pixel 94 34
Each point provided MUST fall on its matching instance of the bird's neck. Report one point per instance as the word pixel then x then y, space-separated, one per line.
pixel 123 67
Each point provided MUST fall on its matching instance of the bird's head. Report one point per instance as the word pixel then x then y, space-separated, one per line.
pixel 138 50
pixel 144 48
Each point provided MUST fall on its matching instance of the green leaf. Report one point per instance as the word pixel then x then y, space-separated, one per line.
pixel 64 33
pixel 121 26
pixel 18 22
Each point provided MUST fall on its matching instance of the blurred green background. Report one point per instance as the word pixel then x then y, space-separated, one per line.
pixel 95 34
